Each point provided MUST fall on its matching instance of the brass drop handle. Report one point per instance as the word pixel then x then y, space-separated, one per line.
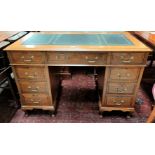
pixel 121 102
pixel 36 102
pixel 33 90
pixel 91 60
pixel 129 60
pixel 118 103
pixel 31 76
pixel 27 60
pixel 126 61
pixel 119 90
pixel 61 57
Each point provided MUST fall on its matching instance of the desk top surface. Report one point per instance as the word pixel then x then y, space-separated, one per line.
pixel 78 41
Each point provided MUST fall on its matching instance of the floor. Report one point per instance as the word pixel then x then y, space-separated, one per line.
pixel 78 104
pixel 8 107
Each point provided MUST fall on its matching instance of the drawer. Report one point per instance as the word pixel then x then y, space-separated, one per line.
pixel 36 73
pixel 130 74
pixel 31 87
pixel 57 56
pixel 123 101
pixel 77 58
pixel 121 88
pixel 36 99
pixel 26 57
pixel 128 58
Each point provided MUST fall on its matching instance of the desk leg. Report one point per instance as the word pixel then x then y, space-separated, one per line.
pixel 53 86
pixel 102 74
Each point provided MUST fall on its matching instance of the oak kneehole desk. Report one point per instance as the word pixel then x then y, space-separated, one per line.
pixel 119 56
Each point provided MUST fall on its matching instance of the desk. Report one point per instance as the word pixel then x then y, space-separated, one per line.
pixel 119 57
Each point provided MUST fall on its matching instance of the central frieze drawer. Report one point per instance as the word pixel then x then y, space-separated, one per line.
pixel 121 88
pixel 31 87
pixel 77 58
pixel 33 73
pixel 27 57
pixel 36 99
pixel 123 101
pixel 128 58
pixel 130 74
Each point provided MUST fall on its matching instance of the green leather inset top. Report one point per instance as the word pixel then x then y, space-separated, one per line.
pixel 79 39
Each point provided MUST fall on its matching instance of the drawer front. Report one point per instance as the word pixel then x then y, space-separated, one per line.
pixel 57 57
pixel 36 73
pixel 121 88
pixel 131 74
pixel 128 58
pixel 36 99
pixel 33 87
pixel 77 58
pixel 123 101
pixel 27 57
